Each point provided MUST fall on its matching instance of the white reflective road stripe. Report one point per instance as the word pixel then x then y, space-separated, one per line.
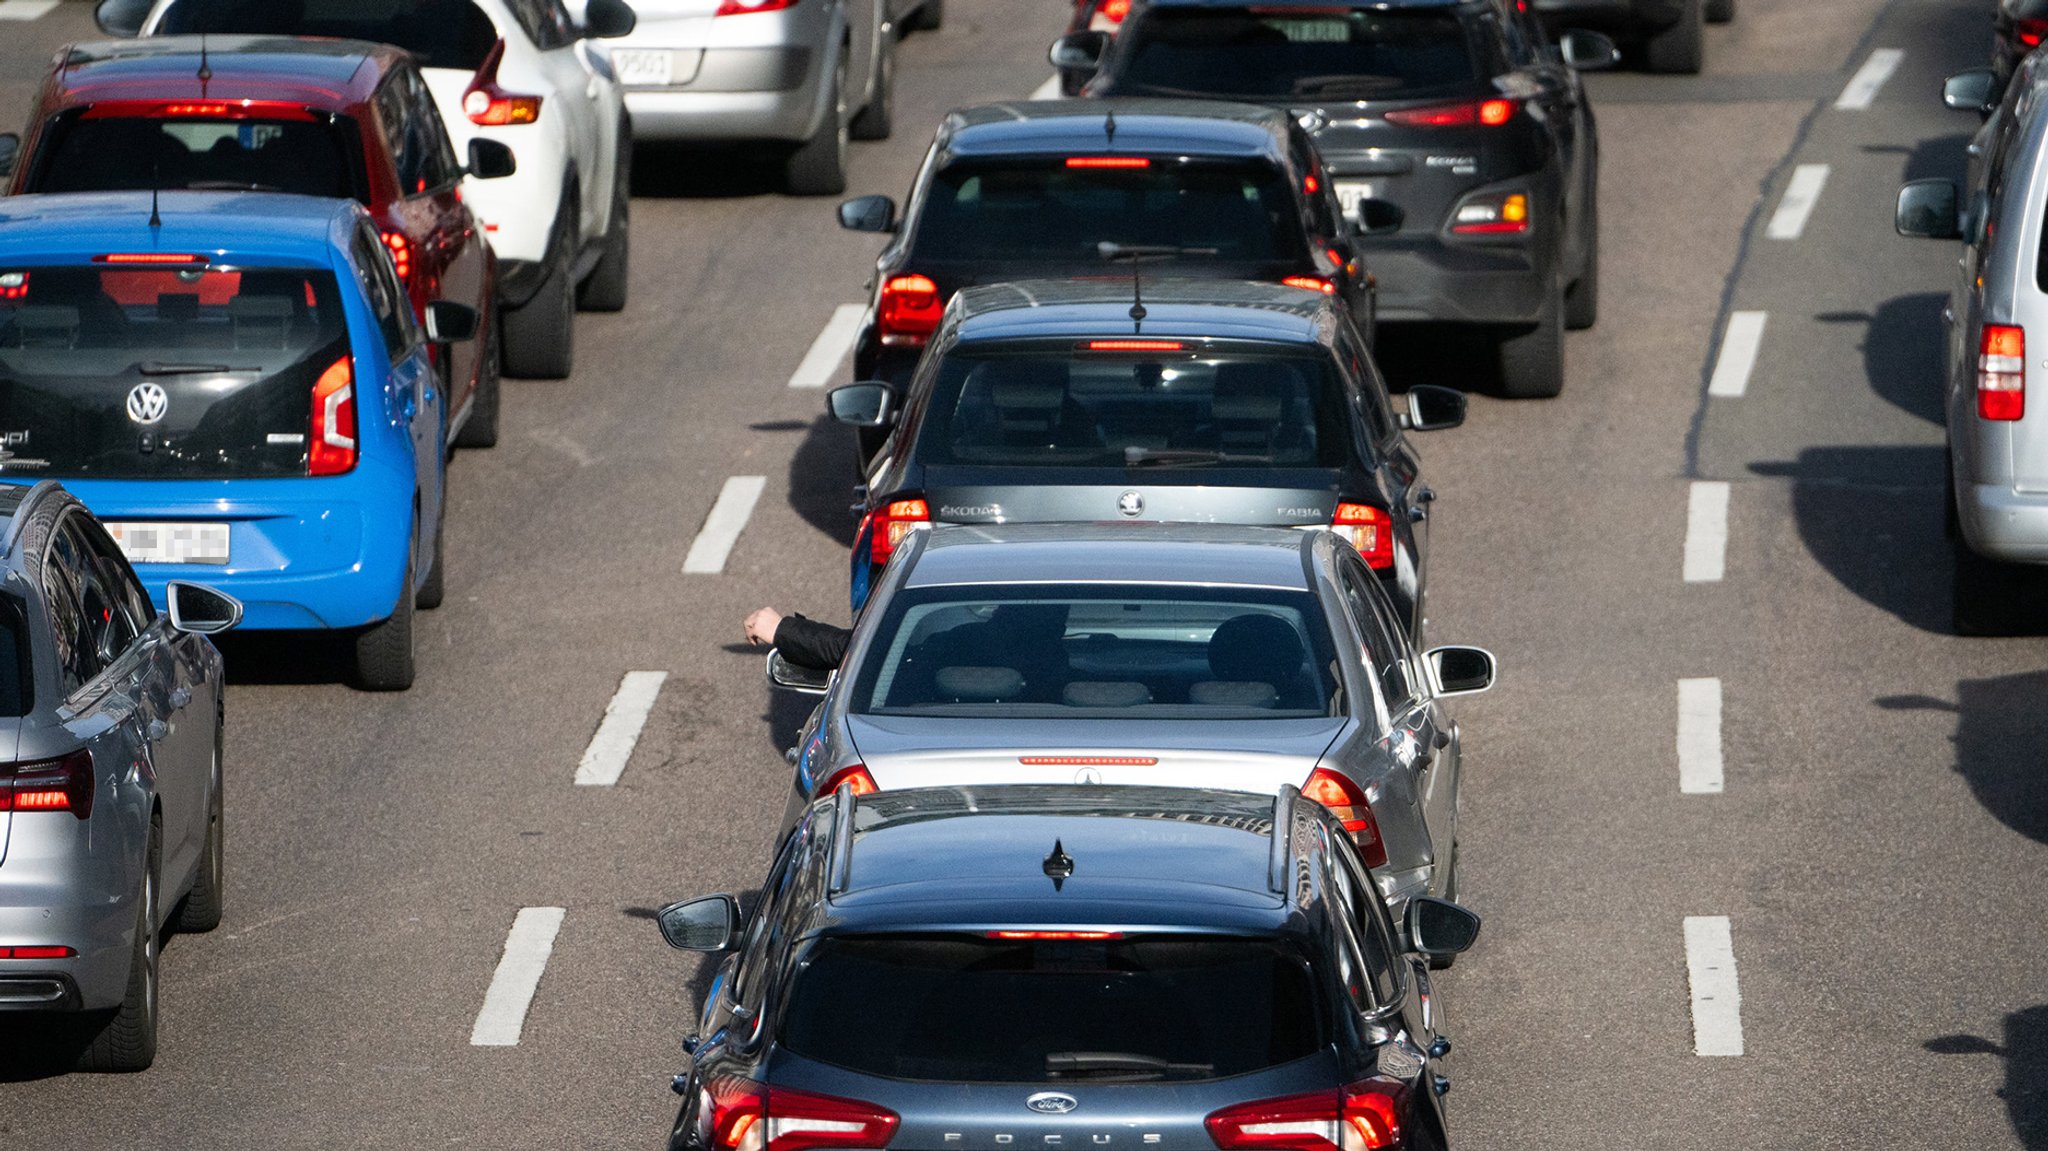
pixel 830 349
pixel 723 526
pixel 1699 736
pixel 26 9
pixel 1739 346
pixel 1868 79
pixel 527 949
pixel 1801 194
pixel 1050 90
pixel 1706 532
pixel 605 759
pixel 1716 997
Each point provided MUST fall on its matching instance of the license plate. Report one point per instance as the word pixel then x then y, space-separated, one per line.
pixel 1350 192
pixel 642 68
pixel 172 543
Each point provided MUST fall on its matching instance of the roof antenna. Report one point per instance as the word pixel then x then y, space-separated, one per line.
pixel 156 180
pixel 1138 312
pixel 205 68
pixel 1058 866
pixel 1109 129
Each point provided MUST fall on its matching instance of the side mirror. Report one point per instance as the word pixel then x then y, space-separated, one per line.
pixel 10 151
pixel 1379 217
pixel 200 610
pixel 1975 90
pixel 1927 210
pixel 491 159
pixel 1439 927
pixel 868 214
pixel 609 19
pixel 122 17
pixel 1588 51
pixel 790 677
pixel 449 322
pixel 708 923
pixel 1079 52
pixel 868 404
pixel 1462 670
pixel 1432 408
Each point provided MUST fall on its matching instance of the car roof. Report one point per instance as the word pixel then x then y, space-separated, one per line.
pixel 1206 555
pixel 1061 127
pixel 75 226
pixel 329 73
pixel 1099 306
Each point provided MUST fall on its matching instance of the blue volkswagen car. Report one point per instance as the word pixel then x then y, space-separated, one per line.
pixel 234 383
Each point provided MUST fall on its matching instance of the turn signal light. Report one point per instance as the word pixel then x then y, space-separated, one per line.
pixel 909 311
pixel 888 524
pixel 1347 801
pixel 1364 1115
pixel 1492 214
pixel 488 105
pixel 334 421
pixel 63 784
pixel 748 1116
pixel 855 776
pixel 1489 113
pixel 1370 530
pixel 2002 373
pixel 36 953
pixel 1311 284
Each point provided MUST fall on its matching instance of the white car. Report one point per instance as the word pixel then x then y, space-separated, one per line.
pixel 523 72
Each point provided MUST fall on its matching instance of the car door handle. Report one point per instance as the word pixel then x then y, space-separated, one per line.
pixel 180 696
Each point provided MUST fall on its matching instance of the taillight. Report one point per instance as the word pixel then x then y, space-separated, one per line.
pixel 855 776
pixel 746 1116
pixel 401 254
pixel 63 784
pixel 36 952
pixel 888 524
pixel 486 104
pixel 334 421
pixel 1362 1116
pixel 909 311
pixel 13 286
pixel 1492 213
pixel 1114 11
pixel 1311 284
pixel 1489 113
pixel 2030 32
pixel 2002 373
pixel 1346 800
pixel 744 7
pixel 1369 529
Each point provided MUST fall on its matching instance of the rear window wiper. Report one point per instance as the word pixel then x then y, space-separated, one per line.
pixel 1111 250
pixel 1124 1062
pixel 230 186
pixel 1136 457
pixel 162 368
pixel 1317 85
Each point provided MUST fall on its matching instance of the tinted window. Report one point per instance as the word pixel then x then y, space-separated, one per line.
pixel 437 164
pixel 1361 904
pixel 387 299
pixel 96 152
pixel 140 372
pixel 1053 406
pixel 108 617
pixel 1340 54
pixel 15 692
pixel 546 22
pixel 1080 654
pixel 442 33
pixel 1187 1007
pixel 1383 650
pixel 64 595
pixel 130 601
pixel 1044 210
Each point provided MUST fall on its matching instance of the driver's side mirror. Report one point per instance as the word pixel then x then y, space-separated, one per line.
pixel 1462 670
pixel 122 17
pixel 199 610
pixel 1927 210
pixel 609 19
pixel 1079 51
pixel 449 322
pixel 868 404
pixel 491 159
pixel 708 923
pixel 1440 928
pixel 1432 408
pixel 868 214
pixel 790 677
pixel 1588 51
pixel 1975 90
pixel 1379 217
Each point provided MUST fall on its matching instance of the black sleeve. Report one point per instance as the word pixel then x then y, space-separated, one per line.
pixel 808 643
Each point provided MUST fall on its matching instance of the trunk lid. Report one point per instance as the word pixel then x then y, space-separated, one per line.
pixel 1179 495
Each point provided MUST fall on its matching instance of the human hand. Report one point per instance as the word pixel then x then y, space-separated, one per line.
pixel 761 625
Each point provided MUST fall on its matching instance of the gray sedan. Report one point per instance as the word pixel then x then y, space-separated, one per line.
pixel 1232 658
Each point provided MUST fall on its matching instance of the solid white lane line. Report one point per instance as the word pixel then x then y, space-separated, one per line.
pixel 1050 90
pixel 26 9
pixel 605 759
pixel 1801 194
pixel 1868 79
pixel 1716 997
pixel 831 347
pixel 723 526
pixel 1699 736
pixel 1739 346
pixel 1706 532
pixel 527 948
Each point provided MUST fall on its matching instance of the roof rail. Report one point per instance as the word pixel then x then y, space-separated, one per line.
pixel 842 841
pixel 1283 839
pixel 16 525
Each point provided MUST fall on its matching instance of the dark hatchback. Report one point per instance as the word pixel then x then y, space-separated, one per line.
pixel 1243 403
pixel 1460 115
pixel 1036 190
pixel 1108 967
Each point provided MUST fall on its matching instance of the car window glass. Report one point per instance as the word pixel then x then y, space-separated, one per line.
pixel 129 599
pixel 395 120
pixel 111 625
pixel 77 657
pixel 546 22
pixel 1314 202
pixel 1383 653
pixel 438 167
pixel 442 33
pixel 1265 53
pixel 1374 941
pixel 750 979
pixel 1521 53
pixel 387 299
pixel 105 152
pixel 15 691
pixel 1372 388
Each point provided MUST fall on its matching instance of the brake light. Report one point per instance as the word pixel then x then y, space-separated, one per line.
pixel 856 776
pixel 150 258
pixel 746 1116
pixel 1108 162
pixel 1492 214
pixel 13 286
pixel 401 254
pixel 1370 530
pixel 744 7
pixel 486 104
pixel 63 784
pixel 1056 935
pixel 909 311
pixel 2030 32
pixel 1133 346
pixel 1088 760
pixel 1310 185
pixel 892 521
pixel 199 110
pixel 1363 1115
pixel 2002 373
pixel 334 421
pixel 1311 284
pixel 1489 113
pixel 1115 11
pixel 36 953
pixel 1346 800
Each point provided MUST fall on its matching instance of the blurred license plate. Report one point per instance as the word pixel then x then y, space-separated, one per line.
pixel 169 543
pixel 641 68
pixel 1350 192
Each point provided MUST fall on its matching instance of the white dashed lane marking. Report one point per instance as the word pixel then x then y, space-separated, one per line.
pixel 830 349
pixel 1050 90
pixel 1801 194
pixel 26 9
pixel 624 718
pixel 1699 736
pixel 1863 86
pixel 1706 532
pixel 527 948
pixel 1716 997
pixel 1739 346
pixel 723 526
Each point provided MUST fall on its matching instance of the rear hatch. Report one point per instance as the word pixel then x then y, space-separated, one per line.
pixel 666 47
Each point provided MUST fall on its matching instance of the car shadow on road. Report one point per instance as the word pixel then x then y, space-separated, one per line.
pixel 1905 345
pixel 1450 355
pixel 2025 1052
pixel 1934 158
pixel 285 657
pixel 1872 516
pixel 673 172
pixel 2000 746
pixel 822 475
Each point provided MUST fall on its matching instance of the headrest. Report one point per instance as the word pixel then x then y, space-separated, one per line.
pixel 1107 693
pixel 1233 693
pixel 979 684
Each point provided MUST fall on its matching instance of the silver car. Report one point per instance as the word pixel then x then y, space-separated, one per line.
pixel 110 774
pixel 1210 656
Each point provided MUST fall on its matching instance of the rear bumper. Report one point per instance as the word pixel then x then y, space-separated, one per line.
pixel 1618 15
pixel 99 925
pixel 737 94
pixel 1429 280
pixel 2002 524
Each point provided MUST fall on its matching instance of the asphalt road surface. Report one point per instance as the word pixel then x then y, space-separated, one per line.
pixel 1737 791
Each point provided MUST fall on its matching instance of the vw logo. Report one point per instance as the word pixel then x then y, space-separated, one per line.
pixel 147 403
pixel 1129 503
pixel 1052 1103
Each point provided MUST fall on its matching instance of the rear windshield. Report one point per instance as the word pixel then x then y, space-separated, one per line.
pixel 1200 408
pixel 1262 54
pixel 1042 209
pixel 442 33
pixel 1124 1010
pixel 14 681
pixel 95 152
pixel 147 372
pixel 1093 650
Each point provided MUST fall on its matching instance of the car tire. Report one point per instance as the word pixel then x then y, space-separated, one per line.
pixel 1718 11
pixel 434 589
pixel 385 657
pixel 818 166
pixel 201 909
pixel 878 119
pixel 127 1041
pixel 1679 49
pixel 1582 298
pixel 540 334
pixel 482 429
pixel 605 289
pixel 1987 597
pixel 1532 361
pixel 929 16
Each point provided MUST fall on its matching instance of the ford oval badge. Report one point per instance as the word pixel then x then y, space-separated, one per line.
pixel 1052 1103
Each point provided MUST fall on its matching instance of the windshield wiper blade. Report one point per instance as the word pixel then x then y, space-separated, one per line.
pixel 1136 457
pixel 1083 1062
pixel 161 368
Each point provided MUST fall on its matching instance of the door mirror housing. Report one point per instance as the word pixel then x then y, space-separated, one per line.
pixel 1432 408
pixel 491 159
pixel 609 19
pixel 1975 90
pixel 868 404
pixel 122 17
pixel 1462 670
pixel 708 923
pixel 868 214
pixel 199 610
pixel 1927 210
pixel 449 322
pixel 1438 927
pixel 1378 217
pixel 1079 52
pixel 1588 51
pixel 801 680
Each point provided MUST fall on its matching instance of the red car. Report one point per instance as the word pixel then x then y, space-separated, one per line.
pixel 333 118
